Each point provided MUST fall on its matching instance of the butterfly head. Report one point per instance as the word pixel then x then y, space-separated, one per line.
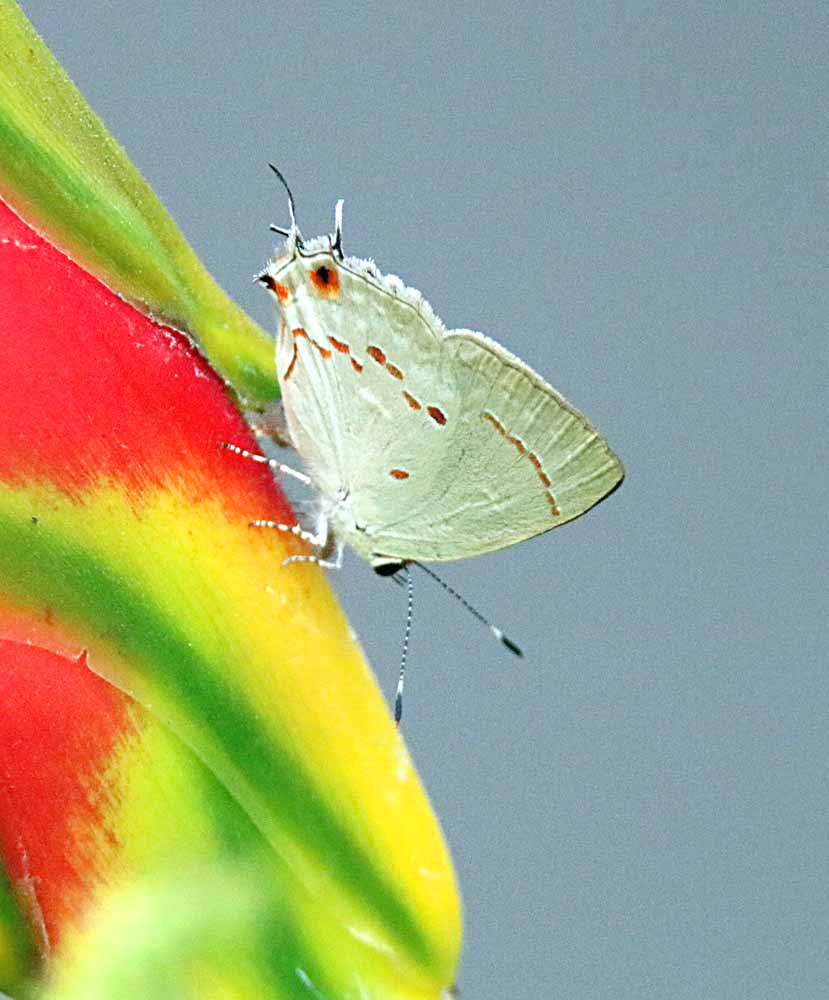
pixel 305 267
pixel 294 242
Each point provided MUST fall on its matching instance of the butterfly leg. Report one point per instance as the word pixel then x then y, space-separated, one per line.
pixel 317 541
pixel 329 551
pixel 325 563
pixel 264 460
pixel 329 554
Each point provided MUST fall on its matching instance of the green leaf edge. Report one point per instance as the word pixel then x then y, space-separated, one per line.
pixel 63 172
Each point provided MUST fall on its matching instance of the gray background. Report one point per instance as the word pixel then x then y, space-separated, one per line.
pixel 633 198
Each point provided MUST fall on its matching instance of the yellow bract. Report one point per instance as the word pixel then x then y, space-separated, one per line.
pixel 252 666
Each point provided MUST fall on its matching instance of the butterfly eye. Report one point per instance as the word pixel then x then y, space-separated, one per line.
pixel 326 281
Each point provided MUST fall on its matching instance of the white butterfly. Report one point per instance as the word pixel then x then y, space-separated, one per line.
pixel 422 443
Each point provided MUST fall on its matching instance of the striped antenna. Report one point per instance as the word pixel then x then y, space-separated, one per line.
pixel 294 230
pixel 497 632
pixel 398 698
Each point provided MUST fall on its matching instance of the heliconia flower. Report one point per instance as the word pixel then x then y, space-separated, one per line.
pixel 201 790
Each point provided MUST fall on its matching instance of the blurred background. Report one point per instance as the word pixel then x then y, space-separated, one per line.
pixel 632 197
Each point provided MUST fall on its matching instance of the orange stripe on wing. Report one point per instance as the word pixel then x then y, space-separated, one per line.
pixel 521 448
pixel 298 332
pixel 339 345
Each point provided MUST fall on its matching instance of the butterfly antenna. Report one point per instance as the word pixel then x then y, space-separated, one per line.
pixel 498 633
pixel 291 206
pixel 398 698
pixel 337 237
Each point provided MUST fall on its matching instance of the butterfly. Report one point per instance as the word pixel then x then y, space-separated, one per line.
pixel 422 444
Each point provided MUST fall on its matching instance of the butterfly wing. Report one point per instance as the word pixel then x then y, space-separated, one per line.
pixel 521 461
pixel 344 354
pixel 311 398
pixel 428 445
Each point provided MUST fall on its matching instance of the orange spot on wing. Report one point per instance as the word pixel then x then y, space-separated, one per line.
pixel 535 461
pixel 340 345
pixel 282 292
pixel 298 332
pixel 343 348
pixel 411 400
pixel 377 354
pixel 326 281
pixel 393 370
pixel 398 474
pixel 437 415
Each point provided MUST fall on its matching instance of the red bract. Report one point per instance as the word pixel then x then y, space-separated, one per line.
pixel 171 697
pixel 90 388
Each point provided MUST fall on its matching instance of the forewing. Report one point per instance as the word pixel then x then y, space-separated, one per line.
pixel 365 392
pixel 311 398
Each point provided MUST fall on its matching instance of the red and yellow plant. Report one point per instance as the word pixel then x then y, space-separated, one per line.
pixel 201 791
